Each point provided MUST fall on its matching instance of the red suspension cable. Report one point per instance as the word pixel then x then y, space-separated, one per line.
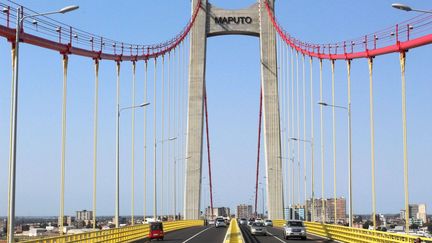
pixel 258 155
pixel 84 42
pixel 208 150
pixel 398 38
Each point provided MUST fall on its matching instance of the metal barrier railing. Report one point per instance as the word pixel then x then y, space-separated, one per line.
pixel 124 234
pixel 349 234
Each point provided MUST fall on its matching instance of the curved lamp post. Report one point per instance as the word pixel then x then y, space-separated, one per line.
pixel 14 117
pixel 348 109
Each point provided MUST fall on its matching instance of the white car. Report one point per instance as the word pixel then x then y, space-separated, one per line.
pixel 220 223
pixel 294 229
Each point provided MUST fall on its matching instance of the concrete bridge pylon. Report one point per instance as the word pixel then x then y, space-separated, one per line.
pixel 213 21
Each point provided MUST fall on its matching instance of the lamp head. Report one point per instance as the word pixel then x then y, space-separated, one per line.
pixel 68 9
pixel 401 6
pixel 322 103
pixel 144 104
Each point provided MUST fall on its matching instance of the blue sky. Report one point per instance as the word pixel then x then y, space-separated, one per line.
pixel 233 77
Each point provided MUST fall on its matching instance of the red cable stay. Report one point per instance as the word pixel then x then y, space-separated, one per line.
pixel 208 150
pixel 382 42
pixel 258 154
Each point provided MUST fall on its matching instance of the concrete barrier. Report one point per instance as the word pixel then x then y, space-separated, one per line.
pixel 346 234
pixel 124 234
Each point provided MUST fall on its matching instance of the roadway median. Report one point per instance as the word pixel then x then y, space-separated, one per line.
pixel 234 234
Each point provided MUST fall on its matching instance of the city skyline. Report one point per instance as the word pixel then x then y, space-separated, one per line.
pixel 232 88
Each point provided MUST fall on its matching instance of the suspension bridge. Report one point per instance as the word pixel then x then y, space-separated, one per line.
pixel 291 140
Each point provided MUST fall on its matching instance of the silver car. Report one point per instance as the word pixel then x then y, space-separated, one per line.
pixel 294 229
pixel 258 228
pixel 268 222
pixel 220 223
pixel 243 221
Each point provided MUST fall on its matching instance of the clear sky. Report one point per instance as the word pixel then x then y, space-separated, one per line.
pixel 233 77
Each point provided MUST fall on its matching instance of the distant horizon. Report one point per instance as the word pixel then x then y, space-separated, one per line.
pixel 128 216
pixel 233 80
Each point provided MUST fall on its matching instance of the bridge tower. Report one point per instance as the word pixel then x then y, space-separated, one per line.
pixel 253 21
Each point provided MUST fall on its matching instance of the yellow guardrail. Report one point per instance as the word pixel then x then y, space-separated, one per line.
pixel 124 234
pixel 278 222
pixel 348 234
pixel 234 234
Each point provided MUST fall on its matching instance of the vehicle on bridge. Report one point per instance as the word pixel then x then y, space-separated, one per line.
pixel 268 223
pixel 258 228
pixel 243 221
pixel 294 229
pixel 156 231
pixel 220 222
pixel 150 220
pixel 259 220
pixel 227 220
pixel 251 221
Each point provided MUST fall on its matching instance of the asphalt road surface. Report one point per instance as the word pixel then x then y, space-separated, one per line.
pixel 210 234
pixel 201 234
pixel 275 235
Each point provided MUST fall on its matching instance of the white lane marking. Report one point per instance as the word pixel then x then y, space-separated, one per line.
pixel 277 238
pixel 195 235
pixel 317 240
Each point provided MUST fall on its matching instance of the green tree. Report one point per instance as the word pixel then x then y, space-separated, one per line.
pixel 414 226
pixel 429 226
pixel 358 219
pixel 367 224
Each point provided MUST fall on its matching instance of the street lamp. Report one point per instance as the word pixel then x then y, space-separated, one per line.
pixel 117 196
pixel 337 106
pixel 313 186
pixel 14 115
pixel 133 107
pixel 348 109
pixel 175 184
pixel 292 158
pixel 155 179
pixel 301 140
pixel 262 194
pixel 404 7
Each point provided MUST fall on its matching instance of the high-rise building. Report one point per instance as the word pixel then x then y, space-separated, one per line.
pixel 67 220
pixel 422 214
pixel 319 209
pixel 326 207
pixel 244 211
pixel 417 212
pixel 84 215
pixel 340 210
pixel 296 212
pixel 287 213
pixel 402 214
pixel 413 210
pixel 217 212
